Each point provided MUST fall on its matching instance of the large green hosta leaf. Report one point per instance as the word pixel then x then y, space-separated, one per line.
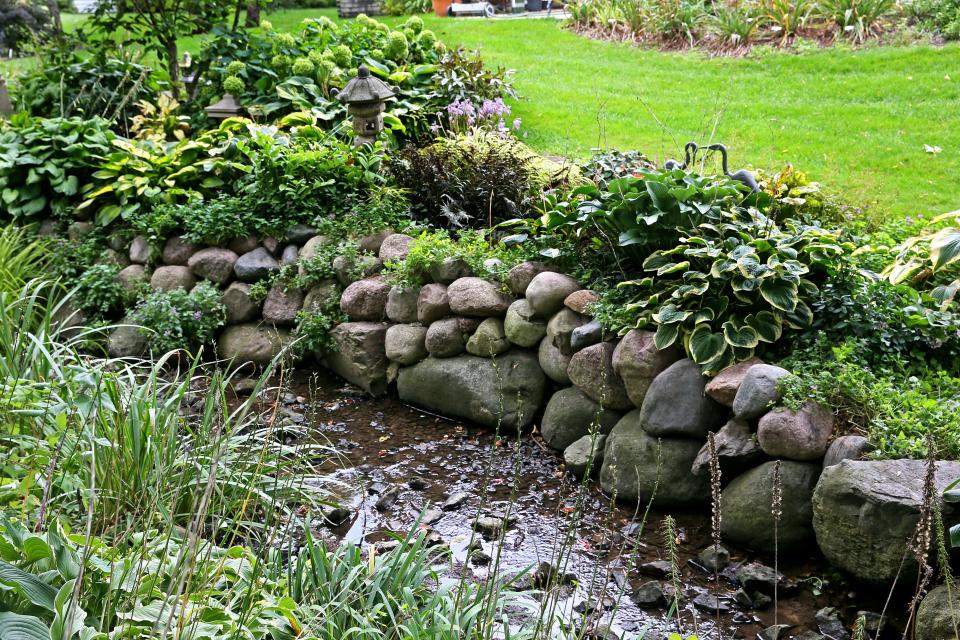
pixel 704 345
pixel 14 626
pixel 743 336
pixel 766 324
pixel 781 294
pixel 945 248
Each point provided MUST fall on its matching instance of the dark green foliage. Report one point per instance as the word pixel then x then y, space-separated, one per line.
pixel 210 222
pixel 46 164
pixel 98 291
pixel 937 16
pixel 105 84
pixel 610 165
pixel 22 23
pixel 179 319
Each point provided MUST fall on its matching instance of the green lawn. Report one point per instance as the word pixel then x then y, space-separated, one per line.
pixel 856 120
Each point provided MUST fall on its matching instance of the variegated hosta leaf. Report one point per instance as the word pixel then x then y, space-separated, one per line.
pixel 780 294
pixel 721 362
pixel 945 248
pixel 740 336
pixel 766 324
pixel 670 314
pixel 666 335
pixel 705 345
pixel 800 318
pixel 945 294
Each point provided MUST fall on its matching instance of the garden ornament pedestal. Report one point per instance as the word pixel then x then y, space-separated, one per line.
pixel 227 107
pixel 365 96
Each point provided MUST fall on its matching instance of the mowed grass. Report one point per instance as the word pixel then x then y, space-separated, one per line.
pixel 855 120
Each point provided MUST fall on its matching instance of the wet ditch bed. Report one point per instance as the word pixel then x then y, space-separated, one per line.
pixel 505 504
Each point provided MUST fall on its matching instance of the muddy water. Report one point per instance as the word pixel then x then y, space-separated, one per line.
pixel 402 464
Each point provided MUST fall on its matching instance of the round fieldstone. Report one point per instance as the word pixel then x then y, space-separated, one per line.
pixel 312 246
pixel 586 335
pixel 366 300
pixel 323 296
pixel 736 449
pixel 255 265
pixel 432 303
pixel 638 361
pixel 350 270
pixel 177 251
pixel 448 337
pixel 168 278
pixel 127 341
pixel 477 297
pixel 449 270
pixel 746 504
pixel 519 277
pixel 402 304
pixel 240 307
pixel 359 355
pixel 585 452
pixel 676 405
pixel 299 234
pixel 796 435
pixel 406 343
pixel 846 448
pixel 758 391
pixel 289 256
pixel 243 245
pixel 723 386
pixel 255 343
pixel 395 248
pixel 139 250
pixel 939 615
pixel 553 363
pixel 638 467
pixel 580 301
pixel 213 264
pixel 131 276
pixel 489 339
pixel 570 415
pixel 520 325
pixel 591 370
pixel 560 328
pixel 372 242
pixel 282 305
pixel 548 290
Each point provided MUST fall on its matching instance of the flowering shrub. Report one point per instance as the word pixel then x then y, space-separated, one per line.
pixel 179 319
pixel 462 116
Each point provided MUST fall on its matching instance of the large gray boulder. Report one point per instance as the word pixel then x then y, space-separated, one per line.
pixel 561 326
pixel 747 507
pixel 213 264
pixel 244 244
pixel 177 250
pixel 240 306
pixel 508 392
pixel 547 291
pixel 586 335
pixel 938 617
pixel 359 355
pixel 300 234
pixel 675 404
pixel 448 337
pixel 570 415
pixel 489 339
pixel 723 387
pixel 432 303
pixel 758 391
pixel 402 304
pixel 255 265
pixel 366 299
pixel 553 363
pixel 865 513
pixel 406 343
pixel 591 370
pixel 519 277
pixel 255 343
pixel 796 435
pixel 638 361
pixel 168 278
pixel 736 448
pixel 127 341
pixel 521 326
pixel 637 466
pixel 282 305
pixel 476 297
pixel 585 452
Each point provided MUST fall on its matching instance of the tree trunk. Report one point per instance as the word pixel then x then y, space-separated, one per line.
pixel 54 7
pixel 253 14
pixel 173 66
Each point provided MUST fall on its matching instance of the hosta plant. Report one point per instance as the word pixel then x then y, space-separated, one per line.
pixel 732 284
pixel 930 260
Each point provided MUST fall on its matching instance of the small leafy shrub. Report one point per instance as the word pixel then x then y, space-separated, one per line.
pixel 930 261
pixel 786 17
pixel 896 413
pixel 108 84
pixel 462 75
pixel 937 16
pixel 22 23
pixel 45 164
pixel 313 331
pixel 98 291
pixel 179 319
pixel 473 181
pixel 607 166
pixel 735 26
pixel 209 222
pixel 856 19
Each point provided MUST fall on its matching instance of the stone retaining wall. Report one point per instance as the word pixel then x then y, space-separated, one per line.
pixel 507 356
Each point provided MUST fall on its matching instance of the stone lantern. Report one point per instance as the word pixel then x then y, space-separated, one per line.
pixel 227 107
pixel 364 97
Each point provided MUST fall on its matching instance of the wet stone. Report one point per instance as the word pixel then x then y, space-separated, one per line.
pixel 455 501
pixel 754 576
pixel 387 499
pixel 711 603
pixel 418 484
pixel 774 632
pixel 713 559
pixel 656 569
pixel 830 624
pixel 650 594
pixel 547 575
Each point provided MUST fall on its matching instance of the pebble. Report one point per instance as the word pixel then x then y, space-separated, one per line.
pixel 387 499
pixel 651 594
pixel 774 632
pixel 454 501
pixel 418 484
pixel 713 559
pixel 711 603
pixel 656 569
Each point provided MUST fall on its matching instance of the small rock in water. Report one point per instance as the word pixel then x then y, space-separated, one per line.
pixel 656 569
pixel 590 605
pixel 454 501
pixel 479 557
pixel 387 499
pixel 431 516
pixel 336 516
pixel 490 526
pixel 547 575
pixel 418 484
pixel 754 600
pixel 713 559
pixel 244 386
pixel 711 603
pixel 651 594
pixel 830 624
pixel 433 539
pixel 774 632
pixel 383 546
pixel 754 576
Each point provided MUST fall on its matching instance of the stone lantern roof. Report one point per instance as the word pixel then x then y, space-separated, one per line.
pixel 365 88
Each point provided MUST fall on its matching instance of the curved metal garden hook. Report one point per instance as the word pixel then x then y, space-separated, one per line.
pixel 742 175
